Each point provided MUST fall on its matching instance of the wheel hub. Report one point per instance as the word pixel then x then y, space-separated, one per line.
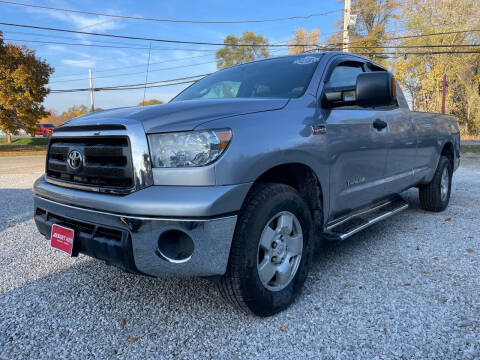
pixel 280 251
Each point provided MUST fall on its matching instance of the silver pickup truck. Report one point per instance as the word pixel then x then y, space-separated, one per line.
pixel 244 173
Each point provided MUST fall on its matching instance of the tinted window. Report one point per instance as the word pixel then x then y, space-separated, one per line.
pixel 344 75
pixel 286 77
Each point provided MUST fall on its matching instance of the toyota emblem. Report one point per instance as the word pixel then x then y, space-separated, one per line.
pixel 74 160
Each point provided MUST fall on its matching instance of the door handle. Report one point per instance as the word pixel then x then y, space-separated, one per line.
pixel 379 124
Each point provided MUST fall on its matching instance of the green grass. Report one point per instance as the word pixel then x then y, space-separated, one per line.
pixel 23 146
pixel 470 149
pixel 24 141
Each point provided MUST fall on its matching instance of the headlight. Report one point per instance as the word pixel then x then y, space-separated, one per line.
pixel 189 148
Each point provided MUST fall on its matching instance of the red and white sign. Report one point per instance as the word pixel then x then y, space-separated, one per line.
pixel 61 238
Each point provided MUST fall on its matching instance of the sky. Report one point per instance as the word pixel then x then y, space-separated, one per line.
pixel 125 61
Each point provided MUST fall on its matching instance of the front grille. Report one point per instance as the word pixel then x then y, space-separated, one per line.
pixel 105 161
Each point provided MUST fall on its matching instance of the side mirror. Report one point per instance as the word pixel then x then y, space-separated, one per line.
pixel 376 89
pixel 372 89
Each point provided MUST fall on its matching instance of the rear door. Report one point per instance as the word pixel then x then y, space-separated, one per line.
pixel 357 150
pixel 401 159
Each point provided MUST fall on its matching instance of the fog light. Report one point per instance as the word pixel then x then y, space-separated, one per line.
pixel 175 246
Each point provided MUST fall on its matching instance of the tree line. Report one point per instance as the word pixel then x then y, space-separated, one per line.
pixel 24 77
pixel 57 119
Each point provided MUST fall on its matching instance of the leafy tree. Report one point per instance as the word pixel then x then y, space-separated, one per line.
pixel 150 102
pixel 233 54
pixel 73 112
pixel 373 18
pixel 51 118
pixel 421 75
pixel 303 37
pixel 23 78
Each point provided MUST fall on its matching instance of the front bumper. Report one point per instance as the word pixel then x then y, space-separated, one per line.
pixel 131 242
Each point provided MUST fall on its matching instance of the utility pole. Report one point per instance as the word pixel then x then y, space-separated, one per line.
pixel 444 92
pixel 91 90
pixel 148 67
pixel 346 22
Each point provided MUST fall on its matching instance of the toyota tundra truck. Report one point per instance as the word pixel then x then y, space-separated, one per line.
pixel 243 174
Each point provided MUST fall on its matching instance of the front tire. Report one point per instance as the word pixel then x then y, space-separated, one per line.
pixel 435 195
pixel 271 251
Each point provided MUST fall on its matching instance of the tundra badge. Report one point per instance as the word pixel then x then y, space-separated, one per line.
pixel 319 129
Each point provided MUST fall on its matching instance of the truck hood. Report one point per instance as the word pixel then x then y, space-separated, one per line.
pixel 181 115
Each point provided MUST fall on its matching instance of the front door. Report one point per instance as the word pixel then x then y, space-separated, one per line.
pixel 357 148
pixel 358 156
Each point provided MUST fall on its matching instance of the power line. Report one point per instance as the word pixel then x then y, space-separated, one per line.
pixel 76 44
pixel 433 34
pixel 64 37
pixel 172 20
pixel 413 46
pixel 54 36
pixel 111 46
pixel 145 39
pixel 157 82
pixel 124 89
pixel 220 44
pixel 422 53
pixel 339 31
pixel 136 73
pixel 133 66
pixel 421 35
pixel 149 87
pixel 129 86
pixel 328 45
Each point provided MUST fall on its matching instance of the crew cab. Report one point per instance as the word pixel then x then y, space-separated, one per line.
pixel 244 173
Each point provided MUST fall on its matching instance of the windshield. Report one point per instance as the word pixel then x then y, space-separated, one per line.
pixel 47 125
pixel 286 77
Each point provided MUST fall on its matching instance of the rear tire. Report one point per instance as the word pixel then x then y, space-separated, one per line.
pixel 262 277
pixel 435 195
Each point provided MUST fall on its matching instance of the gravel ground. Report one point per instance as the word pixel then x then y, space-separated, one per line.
pixel 407 288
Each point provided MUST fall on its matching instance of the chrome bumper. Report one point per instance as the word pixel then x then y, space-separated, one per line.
pixel 211 237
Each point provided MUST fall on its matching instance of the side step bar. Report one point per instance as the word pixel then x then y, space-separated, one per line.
pixel 343 228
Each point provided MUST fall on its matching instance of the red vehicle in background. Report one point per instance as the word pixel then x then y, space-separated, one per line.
pixel 44 130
